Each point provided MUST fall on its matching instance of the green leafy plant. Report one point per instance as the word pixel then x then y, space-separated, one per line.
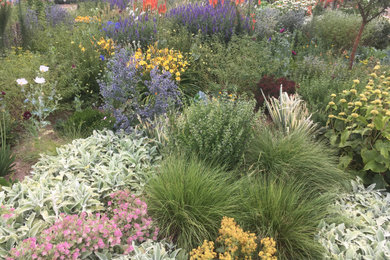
pixel 364 232
pixel 359 127
pixel 217 130
pixel 82 123
pixel 188 199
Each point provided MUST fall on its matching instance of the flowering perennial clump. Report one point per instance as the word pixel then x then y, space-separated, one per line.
pixel 162 59
pixel 104 46
pixel 236 241
pixel 204 252
pixel 128 94
pixel 125 222
pixel 140 29
pixel 236 244
pixel 269 249
pixel 87 19
pixel 359 120
pixel 223 20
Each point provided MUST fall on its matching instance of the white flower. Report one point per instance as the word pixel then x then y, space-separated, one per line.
pixel 43 68
pixel 21 81
pixel 39 80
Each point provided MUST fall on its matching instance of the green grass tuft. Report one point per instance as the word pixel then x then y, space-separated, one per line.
pixel 188 199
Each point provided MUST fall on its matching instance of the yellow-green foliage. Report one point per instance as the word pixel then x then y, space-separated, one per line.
pixel 359 120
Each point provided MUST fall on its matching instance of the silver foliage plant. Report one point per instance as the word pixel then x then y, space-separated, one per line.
pixel 74 181
pixel 366 234
pixel 152 250
pixel 289 113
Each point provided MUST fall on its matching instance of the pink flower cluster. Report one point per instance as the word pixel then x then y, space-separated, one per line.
pixel 125 221
pixel 7 213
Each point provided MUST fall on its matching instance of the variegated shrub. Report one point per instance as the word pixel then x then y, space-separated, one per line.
pixel 76 180
pixel 366 233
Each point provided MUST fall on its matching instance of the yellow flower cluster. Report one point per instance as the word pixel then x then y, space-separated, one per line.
pixel 106 46
pixel 234 238
pixel 370 105
pixel 269 249
pixel 164 59
pixel 204 252
pixel 87 19
pixel 236 243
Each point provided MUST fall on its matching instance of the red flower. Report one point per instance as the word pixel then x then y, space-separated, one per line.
pixel 162 9
pixel 27 115
pixel 3 93
pixel 293 53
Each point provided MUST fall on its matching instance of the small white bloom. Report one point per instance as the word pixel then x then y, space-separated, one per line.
pixel 39 80
pixel 21 81
pixel 43 68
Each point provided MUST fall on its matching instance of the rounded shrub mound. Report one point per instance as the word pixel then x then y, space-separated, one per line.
pixel 188 199
pixel 217 130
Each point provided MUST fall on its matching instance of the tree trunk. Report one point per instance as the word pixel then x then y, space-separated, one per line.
pixel 356 44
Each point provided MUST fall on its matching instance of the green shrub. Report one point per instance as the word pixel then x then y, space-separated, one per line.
pixel 239 65
pixel 217 130
pixel 364 234
pixel 188 199
pixel 78 179
pixel 359 127
pixel 337 29
pixel 286 211
pixel 378 32
pixel 294 156
pixel 82 123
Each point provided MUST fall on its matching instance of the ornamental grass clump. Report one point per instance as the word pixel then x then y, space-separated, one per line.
pixel 287 211
pixel 223 20
pixel 359 125
pixel 78 236
pixel 294 156
pixel 188 199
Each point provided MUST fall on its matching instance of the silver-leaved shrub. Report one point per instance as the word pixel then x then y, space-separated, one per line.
pixel 366 233
pixel 152 250
pixel 76 180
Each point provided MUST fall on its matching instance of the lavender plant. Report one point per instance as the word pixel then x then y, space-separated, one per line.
pixel 139 28
pixel 56 15
pixel 223 19
pixel 121 4
pixel 128 95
